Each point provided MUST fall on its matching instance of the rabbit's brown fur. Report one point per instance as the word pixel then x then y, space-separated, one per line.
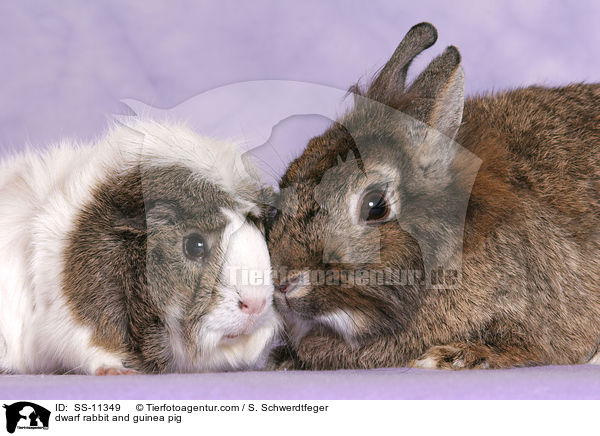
pixel 530 289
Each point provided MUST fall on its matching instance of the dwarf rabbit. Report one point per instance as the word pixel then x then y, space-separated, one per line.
pixel 123 256
pixel 502 191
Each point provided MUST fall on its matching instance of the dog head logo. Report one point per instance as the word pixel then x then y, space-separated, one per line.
pixel 26 415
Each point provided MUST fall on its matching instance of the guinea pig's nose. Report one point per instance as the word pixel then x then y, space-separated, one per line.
pixel 252 306
pixel 289 284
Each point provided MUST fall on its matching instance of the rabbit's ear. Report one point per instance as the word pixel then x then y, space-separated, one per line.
pixel 392 78
pixel 438 94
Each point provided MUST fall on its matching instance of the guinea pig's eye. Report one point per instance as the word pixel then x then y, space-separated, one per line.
pixel 374 206
pixel 194 246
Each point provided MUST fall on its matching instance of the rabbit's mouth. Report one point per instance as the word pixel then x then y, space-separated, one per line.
pixel 292 308
pixel 283 303
pixel 291 289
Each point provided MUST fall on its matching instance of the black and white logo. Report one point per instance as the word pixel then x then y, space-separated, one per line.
pixel 26 415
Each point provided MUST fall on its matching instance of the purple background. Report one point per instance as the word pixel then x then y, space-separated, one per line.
pixel 64 67
pixel 550 382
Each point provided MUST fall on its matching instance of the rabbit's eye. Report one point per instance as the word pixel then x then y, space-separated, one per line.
pixel 374 206
pixel 194 246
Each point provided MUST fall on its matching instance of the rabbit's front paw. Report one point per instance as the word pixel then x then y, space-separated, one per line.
pixel 454 356
pixel 287 364
pixel 282 359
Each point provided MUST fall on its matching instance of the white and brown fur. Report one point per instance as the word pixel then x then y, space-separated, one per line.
pixel 530 289
pixel 92 275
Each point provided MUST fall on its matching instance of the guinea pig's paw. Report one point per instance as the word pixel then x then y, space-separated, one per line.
pixel 106 370
pixel 454 356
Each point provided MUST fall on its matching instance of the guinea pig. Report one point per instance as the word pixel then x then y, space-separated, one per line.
pixel 129 254
pixel 501 190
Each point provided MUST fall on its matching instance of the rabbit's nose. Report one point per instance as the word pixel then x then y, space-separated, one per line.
pixel 289 284
pixel 252 305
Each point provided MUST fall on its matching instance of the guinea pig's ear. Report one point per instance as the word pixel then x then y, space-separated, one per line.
pixel 392 77
pixel 138 219
pixel 437 95
pixel 161 213
pixel 268 198
pixel 132 221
